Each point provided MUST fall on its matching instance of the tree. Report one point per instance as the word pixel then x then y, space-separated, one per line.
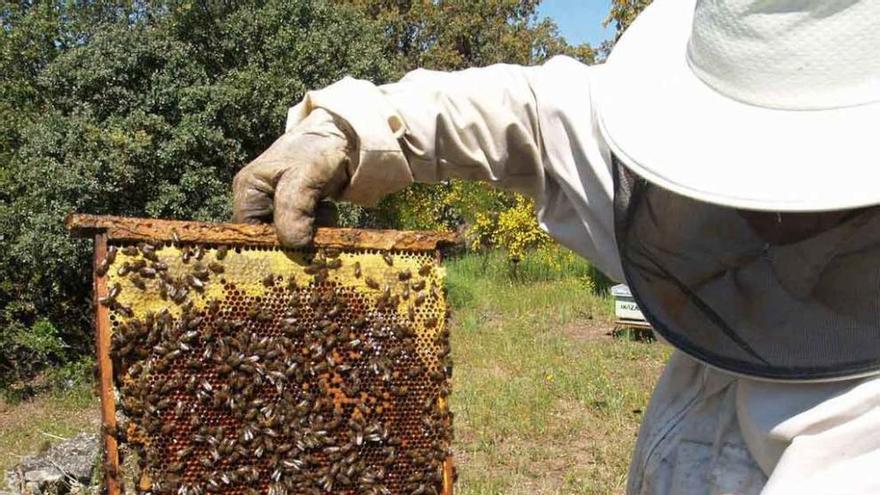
pixel 457 34
pixel 148 110
pixel 623 12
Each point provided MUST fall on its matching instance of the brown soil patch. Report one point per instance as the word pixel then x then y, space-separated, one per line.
pixel 588 330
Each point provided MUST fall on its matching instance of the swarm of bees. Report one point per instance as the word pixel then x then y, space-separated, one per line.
pixel 316 383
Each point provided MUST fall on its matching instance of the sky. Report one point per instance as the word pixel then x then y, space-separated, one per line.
pixel 579 21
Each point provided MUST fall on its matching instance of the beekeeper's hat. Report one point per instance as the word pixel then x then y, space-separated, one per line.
pixel 756 104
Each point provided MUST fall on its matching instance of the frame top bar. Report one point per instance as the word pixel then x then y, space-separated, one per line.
pixel 147 229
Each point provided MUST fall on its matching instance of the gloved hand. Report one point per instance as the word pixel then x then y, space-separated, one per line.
pixel 284 184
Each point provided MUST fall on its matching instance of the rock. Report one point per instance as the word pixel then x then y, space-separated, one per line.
pixel 64 468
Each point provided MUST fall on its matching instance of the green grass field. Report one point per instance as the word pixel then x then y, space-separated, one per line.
pixel 545 400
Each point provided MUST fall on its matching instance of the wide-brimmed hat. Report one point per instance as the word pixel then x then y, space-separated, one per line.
pixel 756 104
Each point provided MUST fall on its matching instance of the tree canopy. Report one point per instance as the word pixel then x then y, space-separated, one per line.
pixel 623 12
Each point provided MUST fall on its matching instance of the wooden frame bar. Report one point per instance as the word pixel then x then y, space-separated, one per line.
pixel 144 229
pixel 105 371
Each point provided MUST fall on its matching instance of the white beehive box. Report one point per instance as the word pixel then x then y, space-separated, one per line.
pixel 625 307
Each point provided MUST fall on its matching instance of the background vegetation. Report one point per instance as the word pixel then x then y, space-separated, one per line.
pixel 148 108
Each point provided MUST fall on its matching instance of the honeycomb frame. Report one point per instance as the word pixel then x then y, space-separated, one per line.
pixel 373 298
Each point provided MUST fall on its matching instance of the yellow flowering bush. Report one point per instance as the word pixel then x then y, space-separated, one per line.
pixel 489 218
pixel 517 231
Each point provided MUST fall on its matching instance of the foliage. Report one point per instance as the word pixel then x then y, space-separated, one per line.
pixel 623 12
pixel 147 109
pixel 456 34
pixel 514 229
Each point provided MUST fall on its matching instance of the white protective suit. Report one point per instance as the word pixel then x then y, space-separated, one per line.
pixel 533 130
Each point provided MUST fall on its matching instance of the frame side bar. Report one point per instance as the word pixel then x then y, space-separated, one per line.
pixel 145 229
pixel 105 370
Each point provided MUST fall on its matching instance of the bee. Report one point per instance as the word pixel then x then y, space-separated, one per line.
pixel 176 467
pixel 149 252
pixel 160 266
pixel 291 283
pixel 200 272
pixel 216 267
pixel 400 391
pixel 431 322
pixel 195 282
pixel 332 252
pixel 425 269
pixel 114 431
pixel 418 286
pixel 138 282
pixel 444 351
pixel 419 300
pixel 411 313
pixel 108 260
pixel 186 254
pixel 124 269
pixel 385 298
pixel 269 280
pixel 214 307
pixel 334 264
pixel 415 371
pixel 199 252
pixel 357 269
pixel 130 251
pixel 110 299
pixel 102 267
pixel 253 311
pixel 388 259
pixel 371 283
pixel 437 376
pixel 221 252
pixel 175 238
pixel 147 272
pixel 179 295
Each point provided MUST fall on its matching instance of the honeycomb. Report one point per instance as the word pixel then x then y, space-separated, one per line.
pixel 261 370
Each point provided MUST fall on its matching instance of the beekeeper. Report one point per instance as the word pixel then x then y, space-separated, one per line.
pixel 724 162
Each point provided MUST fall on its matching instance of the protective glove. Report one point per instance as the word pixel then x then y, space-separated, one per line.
pixel 310 162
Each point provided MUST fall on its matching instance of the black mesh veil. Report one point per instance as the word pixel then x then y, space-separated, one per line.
pixel 719 290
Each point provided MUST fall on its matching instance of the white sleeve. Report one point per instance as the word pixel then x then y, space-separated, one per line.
pixel 526 129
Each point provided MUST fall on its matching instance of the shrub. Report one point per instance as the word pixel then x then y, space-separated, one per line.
pixel 149 112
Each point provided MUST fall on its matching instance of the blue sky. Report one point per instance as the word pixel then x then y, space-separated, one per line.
pixel 579 20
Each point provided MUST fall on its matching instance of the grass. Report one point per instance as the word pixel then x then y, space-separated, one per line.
pixel 32 425
pixel 545 401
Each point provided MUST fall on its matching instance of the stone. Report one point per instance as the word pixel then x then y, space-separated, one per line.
pixel 64 468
